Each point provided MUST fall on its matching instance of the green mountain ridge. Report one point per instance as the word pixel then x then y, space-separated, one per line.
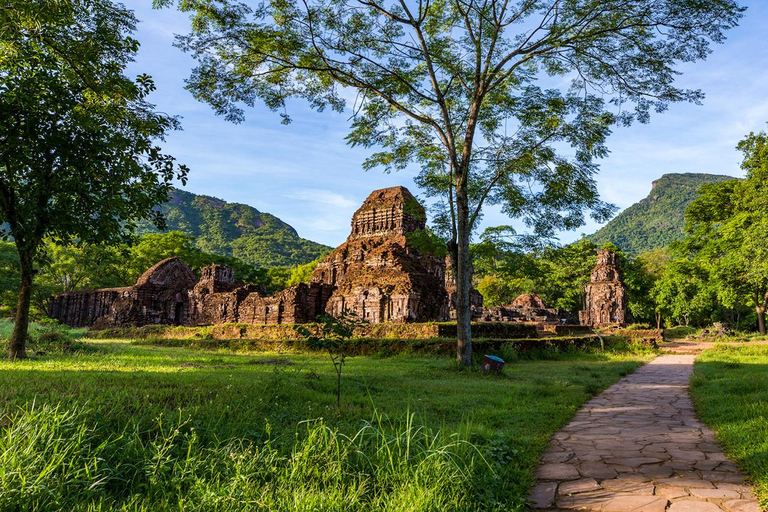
pixel 657 220
pixel 238 230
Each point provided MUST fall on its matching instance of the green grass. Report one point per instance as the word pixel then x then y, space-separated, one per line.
pixel 730 392
pixel 680 332
pixel 127 427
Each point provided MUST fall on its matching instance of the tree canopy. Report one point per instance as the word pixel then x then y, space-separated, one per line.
pixel 79 160
pixel 458 87
pixel 728 231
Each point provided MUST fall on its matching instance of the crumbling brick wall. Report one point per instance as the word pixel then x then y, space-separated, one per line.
pixel 527 308
pixel 160 296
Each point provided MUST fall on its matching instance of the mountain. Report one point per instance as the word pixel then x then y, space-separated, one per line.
pixel 238 230
pixel 657 220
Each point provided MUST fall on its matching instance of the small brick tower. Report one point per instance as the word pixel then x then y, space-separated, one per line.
pixel 605 297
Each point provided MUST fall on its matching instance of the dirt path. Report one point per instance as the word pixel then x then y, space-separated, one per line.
pixel 638 446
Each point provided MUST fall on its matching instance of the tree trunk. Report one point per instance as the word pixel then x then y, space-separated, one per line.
pixel 760 319
pixel 658 321
pixel 18 344
pixel 463 281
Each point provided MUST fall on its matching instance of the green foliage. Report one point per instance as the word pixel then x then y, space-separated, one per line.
pixel 568 270
pixel 236 230
pixel 80 161
pixel 684 293
pixel 728 233
pixel 64 93
pixel 657 220
pixel 303 273
pixel 556 274
pixel 499 291
pixel 276 279
pixel 503 270
pixel 334 335
pixel 154 247
pixel 48 337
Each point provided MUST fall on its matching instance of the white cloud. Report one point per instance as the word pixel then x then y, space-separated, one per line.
pixel 323 197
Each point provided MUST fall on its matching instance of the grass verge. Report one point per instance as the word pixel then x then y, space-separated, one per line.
pixel 730 391
pixel 127 427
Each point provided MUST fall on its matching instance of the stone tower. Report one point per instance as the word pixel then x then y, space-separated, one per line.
pixel 387 212
pixel 605 297
pixel 377 273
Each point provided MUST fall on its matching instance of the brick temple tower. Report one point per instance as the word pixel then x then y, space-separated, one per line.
pixel 605 297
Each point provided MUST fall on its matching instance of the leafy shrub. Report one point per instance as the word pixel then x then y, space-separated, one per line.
pixel 637 327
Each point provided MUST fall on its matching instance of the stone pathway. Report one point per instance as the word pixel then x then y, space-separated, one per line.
pixel 639 447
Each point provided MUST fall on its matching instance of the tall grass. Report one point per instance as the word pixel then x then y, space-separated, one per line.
pixel 46 337
pixel 57 457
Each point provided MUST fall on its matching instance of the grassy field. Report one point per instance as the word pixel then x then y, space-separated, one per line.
pixel 122 426
pixel 730 391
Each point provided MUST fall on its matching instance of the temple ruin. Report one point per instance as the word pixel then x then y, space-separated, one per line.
pixel 605 297
pixel 377 273
pixel 528 308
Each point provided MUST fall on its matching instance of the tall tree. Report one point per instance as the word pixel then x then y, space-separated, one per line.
pixel 683 292
pixel 452 85
pixel 78 159
pixel 653 265
pixel 728 231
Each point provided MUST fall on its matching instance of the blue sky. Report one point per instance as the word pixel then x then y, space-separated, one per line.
pixel 306 175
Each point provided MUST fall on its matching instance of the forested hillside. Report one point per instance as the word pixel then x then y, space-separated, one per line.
pixel 657 220
pixel 237 230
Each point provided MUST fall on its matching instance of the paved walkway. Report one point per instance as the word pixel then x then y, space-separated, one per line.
pixel 638 446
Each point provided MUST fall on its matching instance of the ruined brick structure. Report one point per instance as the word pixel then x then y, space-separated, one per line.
pixel 160 296
pixel 527 308
pixel 377 273
pixel 528 300
pixel 605 297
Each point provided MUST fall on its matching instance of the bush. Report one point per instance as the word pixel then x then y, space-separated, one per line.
pixel 638 327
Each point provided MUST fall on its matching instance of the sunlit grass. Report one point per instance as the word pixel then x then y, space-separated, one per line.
pixel 122 426
pixel 730 391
